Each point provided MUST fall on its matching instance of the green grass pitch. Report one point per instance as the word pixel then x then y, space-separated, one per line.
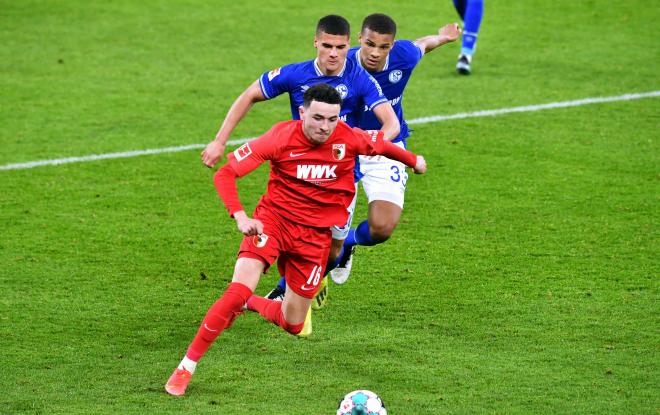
pixel 523 278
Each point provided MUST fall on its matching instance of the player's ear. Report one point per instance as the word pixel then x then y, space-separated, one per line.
pixel 301 111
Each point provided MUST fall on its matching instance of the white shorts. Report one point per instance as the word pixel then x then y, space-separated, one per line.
pixel 383 179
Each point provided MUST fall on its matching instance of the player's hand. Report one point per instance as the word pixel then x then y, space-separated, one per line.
pixel 213 152
pixel 248 226
pixel 450 32
pixel 420 167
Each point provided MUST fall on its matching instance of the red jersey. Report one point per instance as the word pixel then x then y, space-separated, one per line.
pixel 310 184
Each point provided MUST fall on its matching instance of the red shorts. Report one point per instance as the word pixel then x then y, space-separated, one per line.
pixel 302 251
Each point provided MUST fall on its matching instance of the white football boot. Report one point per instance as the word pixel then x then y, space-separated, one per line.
pixel 340 274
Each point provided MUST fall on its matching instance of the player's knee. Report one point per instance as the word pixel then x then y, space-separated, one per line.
pixel 381 230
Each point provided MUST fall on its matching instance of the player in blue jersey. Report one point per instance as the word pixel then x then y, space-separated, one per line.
pixel 390 62
pixel 471 11
pixel 356 87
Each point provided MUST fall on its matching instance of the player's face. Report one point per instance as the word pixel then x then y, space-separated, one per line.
pixel 319 120
pixel 374 48
pixel 331 52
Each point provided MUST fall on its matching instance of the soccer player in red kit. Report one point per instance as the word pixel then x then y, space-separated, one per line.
pixel 309 189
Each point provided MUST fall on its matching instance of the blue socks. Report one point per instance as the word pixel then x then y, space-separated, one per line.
pixel 471 11
pixel 360 236
pixel 282 284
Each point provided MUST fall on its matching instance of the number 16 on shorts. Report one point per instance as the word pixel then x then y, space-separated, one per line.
pixel 314 278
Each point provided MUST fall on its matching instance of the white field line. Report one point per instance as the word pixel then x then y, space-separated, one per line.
pixel 422 120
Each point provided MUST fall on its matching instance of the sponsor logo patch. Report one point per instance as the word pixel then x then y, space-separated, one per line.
pixel 316 172
pixel 373 134
pixel 272 74
pixel 242 152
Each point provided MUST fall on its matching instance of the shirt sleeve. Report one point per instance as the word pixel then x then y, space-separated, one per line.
pixel 370 90
pixel 371 143
pixel 250 155
pixel 413 53
pixel 277 81
pixel 242 161
pixel 225 184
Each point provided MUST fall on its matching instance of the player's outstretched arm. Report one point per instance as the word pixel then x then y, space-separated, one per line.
pixel 410 159
pixel 389 121
pixel 446 34
pixel 215 150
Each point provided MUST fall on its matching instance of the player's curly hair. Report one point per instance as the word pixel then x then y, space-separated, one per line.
pixel 333 24
pixel 321 93
pixel 379 23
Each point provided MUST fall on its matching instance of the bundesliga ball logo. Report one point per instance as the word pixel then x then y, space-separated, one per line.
pixel 361 402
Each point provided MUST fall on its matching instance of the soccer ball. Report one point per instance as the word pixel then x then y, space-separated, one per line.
pixel 361 402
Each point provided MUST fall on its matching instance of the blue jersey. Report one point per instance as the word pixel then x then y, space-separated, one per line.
pixel 401 61
pixel 357 88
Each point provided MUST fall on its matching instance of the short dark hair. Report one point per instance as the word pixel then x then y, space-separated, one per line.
pixel 333 25
pixel 321 92
pixel 380 23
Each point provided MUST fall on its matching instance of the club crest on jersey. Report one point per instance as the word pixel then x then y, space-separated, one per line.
pixel 242 152
pixel 260 240
pixel 343 90
pixel 272 74
pixel 338 151
pixel 395 76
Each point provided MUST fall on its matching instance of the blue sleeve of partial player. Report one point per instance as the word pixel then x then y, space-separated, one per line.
pixel 277 81
pixel 371 91
pixel 411 51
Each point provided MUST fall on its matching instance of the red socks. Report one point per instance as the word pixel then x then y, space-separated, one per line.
pixel 272 311
pixel 219 317
pixel 224 311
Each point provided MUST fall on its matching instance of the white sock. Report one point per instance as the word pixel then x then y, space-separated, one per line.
pixel 188 364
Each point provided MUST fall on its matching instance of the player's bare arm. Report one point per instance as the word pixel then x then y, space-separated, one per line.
pixel 446 34
pixel 247 225
pixel 389 121
pixel 215 150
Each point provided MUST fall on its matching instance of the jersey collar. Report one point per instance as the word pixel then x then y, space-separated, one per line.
pixel 359 60
pixel 320 73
